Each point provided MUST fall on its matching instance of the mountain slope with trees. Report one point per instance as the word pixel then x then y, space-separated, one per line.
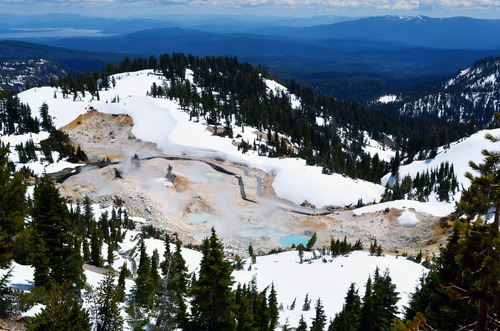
pixel 471 97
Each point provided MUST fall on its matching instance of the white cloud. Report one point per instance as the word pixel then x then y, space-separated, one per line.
pixel 371 7
pixel 362 4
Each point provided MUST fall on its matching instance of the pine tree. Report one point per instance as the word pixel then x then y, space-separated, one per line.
pixel 62 312
pixel 347 319
pixel 124 273
pixel 319 320
pixel 213 300
pixel 367 309
pixel 292 306
pixel 104 304
pixel 261 313
pixel 6 298
pixel 86 250
pixel 12 207
pixel 300 249
pixel 40 262
pixel 111 255
pixel 273 308
pixel 252 254
pixel 384 299
pixel 88 215
pixel 307 303
pixel 143 282
pixel 155 277
pixel 60 246
pixel 244 312
pixel 302 324
pixel 46 123
pixel 172 309
pixel 95 247
pixel 311 242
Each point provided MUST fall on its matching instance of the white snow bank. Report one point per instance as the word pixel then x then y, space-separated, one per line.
pixel 387 98
pixel 408 218
pixel 440 209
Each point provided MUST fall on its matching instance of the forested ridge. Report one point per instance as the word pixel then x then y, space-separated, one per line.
pixel 471 96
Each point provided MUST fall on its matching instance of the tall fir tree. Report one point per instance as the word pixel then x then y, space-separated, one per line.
pixel 12 207
pixel 319 321
pixel 273 308
pixel 105 304
pixel 144 286
pixel 347 318
pixel 384 300
pixel 213 300
pixel 171 301
pixel 95 246
pixel 53 225
pixel 367 309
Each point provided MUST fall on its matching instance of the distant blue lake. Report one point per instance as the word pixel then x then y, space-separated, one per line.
pixel 292 239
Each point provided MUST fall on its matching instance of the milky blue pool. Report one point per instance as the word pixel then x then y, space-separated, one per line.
pixel 198 218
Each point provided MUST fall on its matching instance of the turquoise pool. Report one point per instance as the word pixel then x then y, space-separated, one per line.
pixel 292 239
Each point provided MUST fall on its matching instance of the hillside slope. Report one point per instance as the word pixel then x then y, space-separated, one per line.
pixel 472 93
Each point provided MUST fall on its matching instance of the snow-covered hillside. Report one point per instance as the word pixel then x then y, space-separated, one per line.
pixel 473 91
pixel 14 74
pixel 327 279
pixel 39 166
pixel 458 154
pixel 162 122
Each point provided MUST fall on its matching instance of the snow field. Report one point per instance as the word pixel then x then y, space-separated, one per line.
pixel 328 280
pixel 439 209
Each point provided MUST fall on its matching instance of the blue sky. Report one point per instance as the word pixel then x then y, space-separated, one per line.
pixel 298 8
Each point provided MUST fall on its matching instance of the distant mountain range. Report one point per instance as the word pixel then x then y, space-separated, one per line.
pixel 319 51
pixel 72 59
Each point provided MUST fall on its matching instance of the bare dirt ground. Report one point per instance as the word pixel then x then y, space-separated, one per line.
pixel 201 197
pixel 13 323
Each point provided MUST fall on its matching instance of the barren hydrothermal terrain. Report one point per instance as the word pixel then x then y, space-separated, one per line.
pixel 201 193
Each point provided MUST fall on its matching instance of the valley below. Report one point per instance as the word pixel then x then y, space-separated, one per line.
pixel 190 195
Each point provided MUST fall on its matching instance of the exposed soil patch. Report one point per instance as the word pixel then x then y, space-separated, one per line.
pixel 13 323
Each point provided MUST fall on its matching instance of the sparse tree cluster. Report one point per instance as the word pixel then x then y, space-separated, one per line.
pixel 441 181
